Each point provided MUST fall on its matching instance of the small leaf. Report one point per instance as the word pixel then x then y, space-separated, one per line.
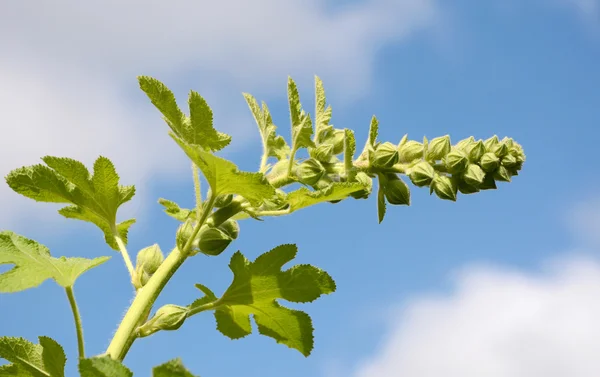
pixel 322 114
pixel 103 366
pixel 349 150
pixel 302 128
pixel 380 201
pixel 303 197
pixel 172 209
pixel 172 368
pixel 164 100
pixel 224 177
pixel 33 264
pixel 254 290
pixel 46 359
pixel 201 118
pixel 274 145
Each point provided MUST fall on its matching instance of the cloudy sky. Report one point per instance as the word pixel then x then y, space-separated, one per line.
pixel 505 283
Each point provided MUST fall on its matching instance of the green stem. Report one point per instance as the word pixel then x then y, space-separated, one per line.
pixel 125 255
pixel 197 190
pixel 263 161
pixel 77 318
pixel 146 296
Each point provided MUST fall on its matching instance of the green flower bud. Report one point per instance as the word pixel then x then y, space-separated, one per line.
pixel 168 317
pixel 337 141
pixel 489 183
pixel 464 143
pixel 323 152
pixel 150 258
pixel 213 241
pixel 509 142
pixel 385 156
pixel 323 183
pixel 465 188
pixel 489 162
pixel 444 187
pixel 184 232
pixel 438 148
pixel 509 161
pixel 395 190
pixel 410 151
pixel 231 228
pixel 456 161
pixel 502 174
pixel 366 182
pixel 490 143
pixel 310 171
pixel 421 174
pixel 474 175
pixel 500 149
pixel 475 151
pixel 223 200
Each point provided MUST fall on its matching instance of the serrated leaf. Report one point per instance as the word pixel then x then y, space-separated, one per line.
pixel 302 129
pixel 322 114
pixel 274 145
pixel 33 264
pixel 198 128
pixel 255 288
pixel 172 368
pixel 304 197
pixel 349 150
pixel 371 143
pixel 103 366
pixel 172 209
pixel 46 359
pixel 94 199
pixel 224 177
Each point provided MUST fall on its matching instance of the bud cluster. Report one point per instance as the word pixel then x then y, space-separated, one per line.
pixel 210 240
pixel 147 262
pixel 469 166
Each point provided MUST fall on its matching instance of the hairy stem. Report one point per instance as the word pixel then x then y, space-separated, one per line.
pixel 263 160
pixel 125 255
pixel 197 190
pixel 146 296
pixel 77 318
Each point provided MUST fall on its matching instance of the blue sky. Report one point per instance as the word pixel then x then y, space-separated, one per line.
pixel 509 259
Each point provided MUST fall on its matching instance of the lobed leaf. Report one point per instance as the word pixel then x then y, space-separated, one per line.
pixel 224 177
pixel 46 359
pixel 255 288
pixel 302 129
pixel 172 368
pixel 34 264
pixel 322 114
pixel 103 366
pixel 172 209
pixel 274 145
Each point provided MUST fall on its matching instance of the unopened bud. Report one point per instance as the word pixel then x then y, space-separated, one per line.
pixel 474 175
pixel 213 241
pixel 366 182
pixel 337 141
pixel 465 188
pixel 411 150
pixel 475 151
pixel 385 156
pixel 167 317
pixel 444 187
pixel 489 162
pixel 395 190
pixel 184 232
pixel 421 174
pixel 223 200
pixel 489 183
pixel 456 161
pixel 502 174
pixel 509 161
pixel 464 143
pixel 310 171
pixel 323 152
pixel 438 148
pixel 231 228
pixel 500 149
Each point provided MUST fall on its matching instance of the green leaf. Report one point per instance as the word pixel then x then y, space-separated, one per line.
pixel 198 128
pixel 172 368
pixel 95 199
pixel 304 197
pixel 302 129
pixel 381 201
pixel 224 177
pixel 273 145
pixel 255 288
pixel 103 366
pixel 322 114
pixel 46 359
pixel 172 209
pixel 33 264
pixel 349 150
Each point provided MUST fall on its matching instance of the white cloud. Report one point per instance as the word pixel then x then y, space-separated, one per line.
pixel 500 323
pixel 68 70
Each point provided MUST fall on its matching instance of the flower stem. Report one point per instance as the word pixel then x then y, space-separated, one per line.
pixel 77 318
pixel 197 189
pixel 125 254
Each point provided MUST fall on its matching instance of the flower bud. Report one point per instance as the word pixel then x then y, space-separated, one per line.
pixel 438 148
pixel 184 232
pixel 490 143
pixel 444 187
pixel 310 171
pixel 502 174
pixel 474 175
pixel 337 141
pixel 323 152
pixel 231 228
pixel 456 161
pixel 223 200
pixel 323 183
pixel 167 317
pixel 366 182
pixel 149 258
pixel 410 151
pixel 421 174
pixel 385 156
pixel 395 190
pixel 500 149
pixel 488 182
pixel 509 161
pixel 213 241
pixel 465 188
pixel 489 162
pixel 464 143
pixel 475 151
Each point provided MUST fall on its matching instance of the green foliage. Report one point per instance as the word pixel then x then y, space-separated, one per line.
pixel 46 359
pixel 467 167
pixel 95 199
pixel 33 264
